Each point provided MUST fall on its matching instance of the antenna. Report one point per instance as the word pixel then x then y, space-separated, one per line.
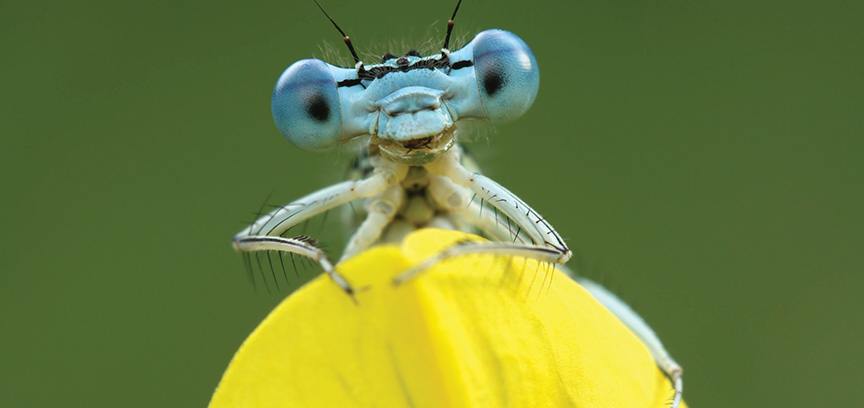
pixel 346 38
pixel 450 24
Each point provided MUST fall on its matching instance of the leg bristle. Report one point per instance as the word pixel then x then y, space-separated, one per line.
pixel 282 264
pixel 261 272
pixel 272 269
pixel 247 265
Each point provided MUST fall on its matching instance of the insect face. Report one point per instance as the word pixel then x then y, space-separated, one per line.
pixel 411 105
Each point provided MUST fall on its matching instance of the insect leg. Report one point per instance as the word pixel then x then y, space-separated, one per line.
pixel 544 254
pixel 263 234
pixel 453 198
pixel 381 211
pixel 539 253
pixel 539 231
pixel 635 322
pixel 285 217
pixel 525 218
pixel 301 246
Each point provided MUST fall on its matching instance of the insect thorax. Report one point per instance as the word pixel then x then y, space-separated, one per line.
pixel 418 209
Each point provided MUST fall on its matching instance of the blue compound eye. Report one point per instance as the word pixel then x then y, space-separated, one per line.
pixel 305 105
pixel 507 74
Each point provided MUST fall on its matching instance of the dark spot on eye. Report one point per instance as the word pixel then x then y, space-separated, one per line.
pixel 317 108
pixel 493 82
pixel 412 53
pixel 387 57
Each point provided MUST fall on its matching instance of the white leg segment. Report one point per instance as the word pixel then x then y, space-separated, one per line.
pixel 542 254
pixel 295 246
pixel 380 212
pixel 445 187
pixel 264 233
pixel 456 200
pixel 526 219
pixel 283 218
pixel 448 179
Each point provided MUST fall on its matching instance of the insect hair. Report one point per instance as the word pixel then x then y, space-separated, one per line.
pixel 429 45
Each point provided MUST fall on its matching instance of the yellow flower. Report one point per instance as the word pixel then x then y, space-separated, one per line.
pixel 476 331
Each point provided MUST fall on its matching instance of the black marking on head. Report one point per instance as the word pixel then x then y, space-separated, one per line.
pixel 387 57
pixel 375 72
pixel 492 82
pixel 348 82
pixel 412 53
pixel 462 64
pixel 317 108
pixel 379 71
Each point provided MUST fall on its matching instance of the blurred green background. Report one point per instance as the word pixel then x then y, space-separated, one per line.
pixel 704 160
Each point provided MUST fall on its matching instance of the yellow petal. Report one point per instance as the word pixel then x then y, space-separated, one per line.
pixel 476 331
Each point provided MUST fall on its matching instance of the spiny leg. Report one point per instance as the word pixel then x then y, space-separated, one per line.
pixel 521 214
pixel 539 253
pixel 502 230
pixel 544 254
pixel 444 190
pixel 294 213
pixel 453 198
pixel 302 246
pixel 447 188
pixel 264 233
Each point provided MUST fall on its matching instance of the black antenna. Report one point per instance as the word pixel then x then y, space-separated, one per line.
pixel 345 37
pixel 450 24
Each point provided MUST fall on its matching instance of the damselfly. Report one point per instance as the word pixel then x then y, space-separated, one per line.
pixel 411 172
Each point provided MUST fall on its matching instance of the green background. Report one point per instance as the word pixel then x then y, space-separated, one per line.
pixel 704 159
